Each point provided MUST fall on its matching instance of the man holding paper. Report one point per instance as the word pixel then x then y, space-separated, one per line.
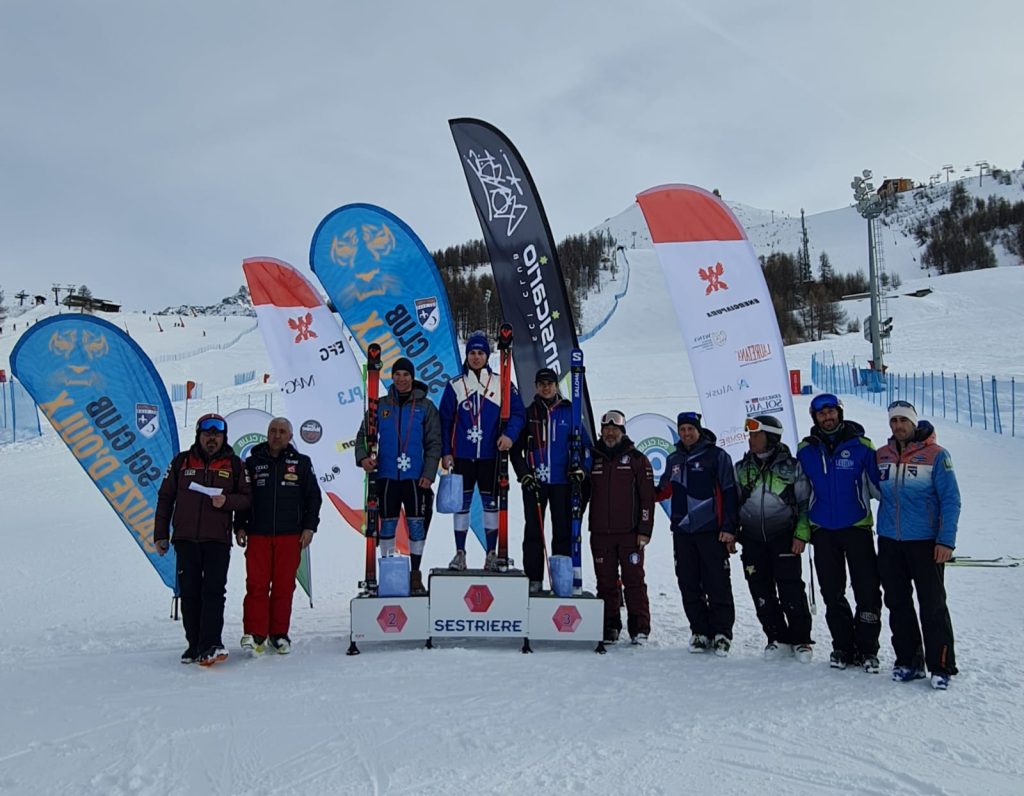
pixel 203 487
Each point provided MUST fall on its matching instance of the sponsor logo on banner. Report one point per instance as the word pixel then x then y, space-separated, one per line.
pixel 147 419
pixel 332 350
pixel 754 353
pixel 733 436
pixel 311 431
pixel 502 188
pixel 709 341
pixel 713 276
pixel 656 449
pixel 299 384
pixel 725 389
pixel 243 445
pixel 79 355
pixel 427 313
pixel 326 478
pixel 377 239
pixel 739 305
pixel 302 327
pixel 764 404
pixel 531 281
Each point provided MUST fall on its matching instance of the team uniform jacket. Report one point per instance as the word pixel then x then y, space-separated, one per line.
pixel 543 445
pixel 702 485
pixel 471 412
pixel 774 494
pixel 842 478
pixel 920 497
pixel 191 513
pixel 285 493
pixel 410 427
pixel 621 490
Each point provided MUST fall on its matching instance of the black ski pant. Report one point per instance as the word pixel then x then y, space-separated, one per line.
pixel 907 567
pixel 617 555
pixel 775 579
pixel 834 551
pixel 556 499
pixel 705 582
pixel 202 580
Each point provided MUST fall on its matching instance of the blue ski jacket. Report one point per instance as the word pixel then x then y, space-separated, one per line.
pixel 471 415
pixel 543 446
pixel 701 482
pixel 408 436
pixel 843 475
pixel 920 498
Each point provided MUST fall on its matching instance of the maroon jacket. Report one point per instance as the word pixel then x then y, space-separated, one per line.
pixel 621 490
pixel 193 515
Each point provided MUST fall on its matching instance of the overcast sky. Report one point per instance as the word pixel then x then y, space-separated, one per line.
pixel 146 148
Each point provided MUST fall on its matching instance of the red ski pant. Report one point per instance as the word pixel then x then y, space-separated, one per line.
pixel 270 566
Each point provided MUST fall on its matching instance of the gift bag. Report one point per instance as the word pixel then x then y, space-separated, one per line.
pixel 561 575
pixel 449 494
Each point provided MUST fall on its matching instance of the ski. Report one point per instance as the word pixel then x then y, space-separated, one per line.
pixel 576 463
pixel 988 560
pixel 966 562
pixel 505 358
pixel 372 529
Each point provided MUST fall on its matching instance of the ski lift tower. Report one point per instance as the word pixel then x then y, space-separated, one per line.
pixel 869 205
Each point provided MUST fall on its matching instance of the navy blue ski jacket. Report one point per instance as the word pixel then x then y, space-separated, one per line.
pixel 701 482
pixel 471 413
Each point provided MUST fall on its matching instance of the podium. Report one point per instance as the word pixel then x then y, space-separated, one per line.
pixel 477 603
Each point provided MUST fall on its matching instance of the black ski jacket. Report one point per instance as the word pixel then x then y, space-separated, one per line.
pixel 285 493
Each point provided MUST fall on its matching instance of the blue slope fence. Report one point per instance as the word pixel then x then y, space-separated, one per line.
pixel 984 402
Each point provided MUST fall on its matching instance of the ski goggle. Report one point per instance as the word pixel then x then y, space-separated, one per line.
pixel 212 424
pixel 613 418
pixel 752 424
pixel 691 418
pixel 901 404
pixel 825 401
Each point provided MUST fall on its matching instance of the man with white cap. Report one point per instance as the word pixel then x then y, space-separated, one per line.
pixel 917 524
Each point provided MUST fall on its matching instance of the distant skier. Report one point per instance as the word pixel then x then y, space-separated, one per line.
pixel 701 483
pixel 917 525
pixel 839 461
pixel 621 522
pixel 773 497
pixel 540 459
pixel 202 532
pixel 470 440
pixel 408 451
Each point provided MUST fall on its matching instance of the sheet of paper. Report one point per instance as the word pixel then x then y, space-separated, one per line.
pixel 206 490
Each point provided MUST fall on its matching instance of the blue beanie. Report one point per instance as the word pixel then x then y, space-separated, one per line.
pixel 477 341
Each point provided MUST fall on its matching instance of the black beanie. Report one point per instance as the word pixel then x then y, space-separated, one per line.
pixel 403 363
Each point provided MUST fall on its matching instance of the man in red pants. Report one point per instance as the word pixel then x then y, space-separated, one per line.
pixel 284 516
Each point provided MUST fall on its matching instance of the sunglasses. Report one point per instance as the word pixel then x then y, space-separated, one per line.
pixel 213 424
pixel 613 418
pixel 825 401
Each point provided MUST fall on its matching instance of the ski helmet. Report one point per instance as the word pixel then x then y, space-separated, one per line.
pixel 824 401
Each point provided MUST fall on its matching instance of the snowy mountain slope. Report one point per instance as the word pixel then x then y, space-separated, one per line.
pixel 96 702
pixel 842 233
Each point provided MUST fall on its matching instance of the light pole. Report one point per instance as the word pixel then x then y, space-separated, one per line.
pixel 869 205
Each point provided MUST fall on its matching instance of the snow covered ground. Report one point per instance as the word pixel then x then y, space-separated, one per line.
pixel 95 700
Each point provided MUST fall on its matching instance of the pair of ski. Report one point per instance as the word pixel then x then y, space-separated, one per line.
pixel 998 561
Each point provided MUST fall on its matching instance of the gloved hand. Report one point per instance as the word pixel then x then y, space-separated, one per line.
pixel 529 483
pixel 642 541
pixel 577 475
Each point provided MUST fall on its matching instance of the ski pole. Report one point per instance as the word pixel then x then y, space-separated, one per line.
pixel 814 604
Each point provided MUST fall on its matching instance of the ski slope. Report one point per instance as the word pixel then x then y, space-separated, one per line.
pixel 96 702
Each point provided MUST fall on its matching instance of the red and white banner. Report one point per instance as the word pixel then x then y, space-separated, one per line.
pixel 724 310
pixel 317 372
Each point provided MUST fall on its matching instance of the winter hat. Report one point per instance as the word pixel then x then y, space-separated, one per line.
pixel 545 374
pixel 403 363
pixel 903 409
pixel 766 423
pixel 689 419
pixel 477 341
pixel 211 422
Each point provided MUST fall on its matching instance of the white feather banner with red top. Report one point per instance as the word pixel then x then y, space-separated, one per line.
pixel 724 310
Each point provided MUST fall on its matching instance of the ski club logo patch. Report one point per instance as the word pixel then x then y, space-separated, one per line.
pixel 385 413
pixel 147 419
pixel 624 460
pixel 290 477
pixel 427 313
pixel 713 276
pixel 302 326
pixel 290 468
